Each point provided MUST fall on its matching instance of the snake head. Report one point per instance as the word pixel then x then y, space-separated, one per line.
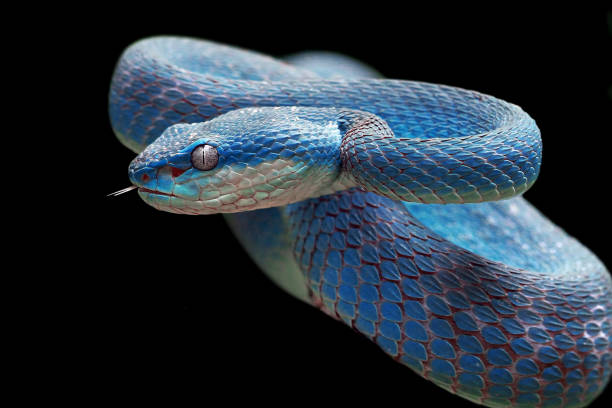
pixel 243 160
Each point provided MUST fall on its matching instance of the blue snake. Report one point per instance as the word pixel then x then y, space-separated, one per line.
pixel 392 206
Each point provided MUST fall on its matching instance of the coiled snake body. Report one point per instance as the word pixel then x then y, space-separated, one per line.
pixel 377 202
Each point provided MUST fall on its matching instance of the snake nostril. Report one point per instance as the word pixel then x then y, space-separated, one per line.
pixel 145 178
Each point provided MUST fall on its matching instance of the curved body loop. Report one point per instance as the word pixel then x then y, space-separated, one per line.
pixel 377 201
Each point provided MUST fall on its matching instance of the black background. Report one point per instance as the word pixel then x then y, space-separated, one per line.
pixel 167 297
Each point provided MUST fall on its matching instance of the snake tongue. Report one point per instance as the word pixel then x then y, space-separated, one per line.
pixel 122 191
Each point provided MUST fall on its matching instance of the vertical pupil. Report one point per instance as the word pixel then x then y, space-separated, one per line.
pixel 206 153
pixel 202 155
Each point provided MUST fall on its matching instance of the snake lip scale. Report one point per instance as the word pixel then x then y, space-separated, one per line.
pixel 155 192
pixel 395 207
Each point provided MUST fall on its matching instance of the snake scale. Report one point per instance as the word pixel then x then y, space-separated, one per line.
pixel 392 206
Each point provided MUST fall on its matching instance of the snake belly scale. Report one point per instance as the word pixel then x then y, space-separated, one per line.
pixel 393 206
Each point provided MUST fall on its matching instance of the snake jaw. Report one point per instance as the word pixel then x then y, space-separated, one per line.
pixel 231 189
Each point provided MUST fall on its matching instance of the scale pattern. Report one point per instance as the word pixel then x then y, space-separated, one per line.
pixel 490 301
pixel 494 334
pixel 149 94
pixel 475 168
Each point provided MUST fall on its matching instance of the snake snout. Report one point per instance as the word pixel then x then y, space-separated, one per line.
pixel 162 180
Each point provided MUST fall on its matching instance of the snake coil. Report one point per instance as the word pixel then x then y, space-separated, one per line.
pixel 377 201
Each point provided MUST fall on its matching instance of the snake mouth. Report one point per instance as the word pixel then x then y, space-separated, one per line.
pixel 155 192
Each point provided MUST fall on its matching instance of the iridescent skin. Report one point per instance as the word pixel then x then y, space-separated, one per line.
pixel 374 201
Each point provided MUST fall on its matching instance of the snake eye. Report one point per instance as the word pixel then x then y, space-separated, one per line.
pixel 204 157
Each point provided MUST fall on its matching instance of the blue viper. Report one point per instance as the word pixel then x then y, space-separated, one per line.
pixel 378 202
